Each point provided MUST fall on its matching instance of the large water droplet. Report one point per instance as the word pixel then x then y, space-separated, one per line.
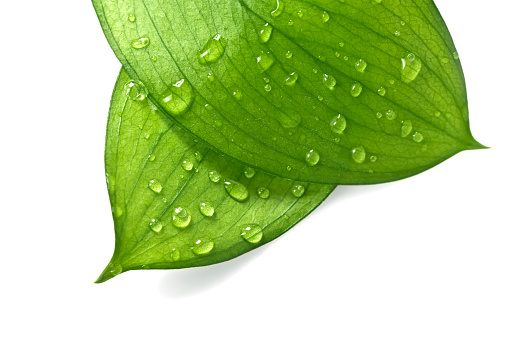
pixel 298 190
pixel 338 124
pixel 265 61
pixel 155 186
pixel 312 157
pixel 359 154
pixel 203 246
pixel 263 192
pixel 280 7
pixel 356 89
pixel 207 209
pixel 214 176
pixel 361 65
pixel 410 67
pixel 252 233
pixel 187 165
pixel 213 49
pixel 179 97
pixel 329 81
pixel 249 172
pixel 180 217
pixel 135 90
pixel 140 43
pixel 406 128
pixel 325 16
pixel 291 79
pixel 266 32
pixel 236 190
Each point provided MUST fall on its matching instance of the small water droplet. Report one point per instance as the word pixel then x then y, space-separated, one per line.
pixel 455 55
pixel 174 254
pixel 252 233
pixel 203 246
pixel 345 58
pixel 338 124
pixel 322 58
pixel 382 91
pixel 390 114
pixel 266 33
pixel 418 137
pixel 373 158
pixel 164 200
pixel 337 54
pixel 359 154
pixel 187 165
pixel 320 98
pixel 329 81
pixel 290 22
pixel 289 54
pixel 155 225
pixel 214 176
pixel 153 58
pixel 291 79
pixel 155 186
pixel 135 90
pixel 410 67
pixel 312 157
pixel 179 97
pixel 146 135
pixel 406 128
pixel 298 190
pixel 132 18
pixel 118 211
pixel 264 61
pixel 249 172
pixel 315 70
pixel 213 49
pixel 206 209
pixel 140 43
pixel 267 87
pixel 151 157
pixel 288 168
pixel 325 16
pixel 280 7
pixel 211 77
pixel 237 94
pixel 379 115
pixel 356 89
pixel 236 190
pixel 263 192
pixel 115 270
pixel 437 114
pixel 180 217
pixel 300 14
pixel 361 65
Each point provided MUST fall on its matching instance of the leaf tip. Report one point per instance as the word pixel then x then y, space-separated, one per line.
pixel 111 270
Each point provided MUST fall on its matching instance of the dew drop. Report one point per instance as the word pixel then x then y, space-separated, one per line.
pixel 236 190
pixel 267 87
pixel 140 43
pixel 131 17
pixel 373 158
pixel 390 114
pixel 155 186
pixel 151 157
pixel 406 128
pixel 153 58
pixel 397 33
pixel 280 7
pixel 325 17
pixel 180 217
pixel 118 211
pixel 249 172
pixel 300 14
pixel 410 67
pixel 290 22
pixel 179 97
pixel 174 254
pixel 203 246
pixel 356 89
pixel 361 65
pixel 263 192
pixel 213 49
pixel 237 94
pixel 155 226
pixel 379 115
pixel 288 168
pixel 135 90
pixel 266 32
pixel 252 233
pixel 329 81
pixel 298 190
pixel 338 124
pixel 291 79
pixel 187 165
pixel 358 154
pixel 265 61
pixel 206 209
pixel 417 137
pixel 211 77
pixel 312 157
pixel 146 135
pixel 214 176
pixel 198 156
pixel 289 54
pixel 381 91
pixel 455 55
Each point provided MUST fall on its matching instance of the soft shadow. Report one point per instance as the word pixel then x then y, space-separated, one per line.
pixel 189 282
pixel 343 192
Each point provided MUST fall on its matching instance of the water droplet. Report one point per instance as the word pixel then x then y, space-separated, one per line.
pixel 267 87
pixel 211 77
pixel 187 165
pixel 379 115
pixel 373 158
pixel 203 246
pixel 361 65
pixel 236 190
pixel 146 135
pixel 298 190
pixel 118 211
pixel 455 55
pixel 418 137
pixel 265 61
pixel 213 49
pixel 322 58
pixel 300 14
pixel 151 157
pixel 131 17
pixel 153 58
pixel 320 98
pixel 263 192
pixel 206 209
pixel 410 67
pixel 359 154
pixel 290 22
pixel 397 33
pixel 115 269
pixel 312 157
pixel 140 43
pixel 338 124
pixel 329 81
pixel 338 54
pixel 174 254
pixel 252 233
pixel 198 156
pixel 155 186
pixel 289 54
pixel 325 16
pixel 135 90
pixel 390 114
pixel 179 97
pixel 237 94
pixel 437 114
pixel 382 91
pixel 406 128
pixel 341 44
pixel 288 168
pixel 356 89
pixel 164 200
pixel 280 7
pixel 249 172
pixel 155 225
pixel 266 32
pixel 180 217
pixel 345 58
pixel 214 176
pixel 291 79
pixel 315 70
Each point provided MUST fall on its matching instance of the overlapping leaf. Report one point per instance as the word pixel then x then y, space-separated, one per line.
pixel 178 204
pixel 342 91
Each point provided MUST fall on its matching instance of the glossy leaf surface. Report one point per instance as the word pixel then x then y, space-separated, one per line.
pixel 177 204
pixel 343 92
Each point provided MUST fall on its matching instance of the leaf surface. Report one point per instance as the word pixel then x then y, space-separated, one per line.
pixel 153 168
pixel 340 92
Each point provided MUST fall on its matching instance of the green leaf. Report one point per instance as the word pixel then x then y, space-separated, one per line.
pixel 342 92
pixel 176 203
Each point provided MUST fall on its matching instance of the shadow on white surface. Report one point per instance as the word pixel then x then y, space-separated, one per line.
pixel 189 282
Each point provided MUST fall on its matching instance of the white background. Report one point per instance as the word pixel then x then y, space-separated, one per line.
pixel 423 257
